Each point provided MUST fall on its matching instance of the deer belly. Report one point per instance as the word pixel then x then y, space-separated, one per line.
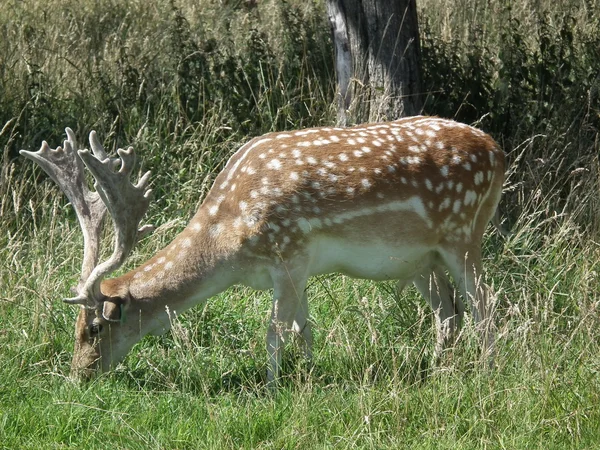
pixel 370 260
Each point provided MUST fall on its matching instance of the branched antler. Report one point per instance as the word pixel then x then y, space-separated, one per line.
pixel 125 202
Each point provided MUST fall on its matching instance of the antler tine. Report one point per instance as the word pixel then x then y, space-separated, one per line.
pixel 66 169
pixel 125 202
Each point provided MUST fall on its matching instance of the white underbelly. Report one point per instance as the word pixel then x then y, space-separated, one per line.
pixel 369 260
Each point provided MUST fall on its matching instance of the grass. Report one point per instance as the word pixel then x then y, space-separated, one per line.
pixel 175 82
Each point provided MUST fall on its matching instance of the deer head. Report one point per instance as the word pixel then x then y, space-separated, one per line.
pixel 126 205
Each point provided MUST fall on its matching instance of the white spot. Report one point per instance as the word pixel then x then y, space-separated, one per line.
pixel 410 160
pixel 262 156
pixel 445 204
pixel 243 206
pixel 380 195
pixel 470 197
pixel 366 149
pixel 161 260
pixel 224 185
pixel 428 184
pixel 377 170
pixel 196 226
pixel 315 222
pixel 351 141
pixel 478 179
pixel 168 265
pixel 321 171
pixel 274 164
pixel 294 176
pixel 414 148
pixel 439 145
pixel 215 229
pixel 333 178
pixel 440 188
pixel 315 185
pixel 283 136
pixel 233 186
pixel 473 157
pixel 274 227
pixel 366 183
pixel 444 171
pixel 251 170
pixel 296 153
pixel 431 133
pixel 361 140
pixel 467 166
pixel 456 207
pixel 391 169
pixel 304 144
pixel 286 239
pixel 350 190
pixel 334 138
pixel 311 160
pixel 357 153
pixel 329 164
pixel 377 143
pixel 489 175
pixel 492 157
pixel 456 159
pixel 459 187
pixel 213 210
pixel 343 157
pixel 187 243
pixel 304 225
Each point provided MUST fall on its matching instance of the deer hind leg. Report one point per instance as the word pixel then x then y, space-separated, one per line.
pixel 303 327
pixel 464 265
pixel 448 309
pixel 289 313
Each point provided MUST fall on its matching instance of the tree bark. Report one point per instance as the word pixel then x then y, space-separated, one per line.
pixel 377 59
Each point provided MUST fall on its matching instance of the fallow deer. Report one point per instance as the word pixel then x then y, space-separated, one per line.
pixel 406 200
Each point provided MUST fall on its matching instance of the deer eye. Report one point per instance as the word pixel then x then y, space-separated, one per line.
pixel 95 329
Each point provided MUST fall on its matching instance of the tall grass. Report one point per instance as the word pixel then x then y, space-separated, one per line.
pixel 186 83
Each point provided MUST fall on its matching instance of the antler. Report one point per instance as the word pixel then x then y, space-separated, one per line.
pixel 125 202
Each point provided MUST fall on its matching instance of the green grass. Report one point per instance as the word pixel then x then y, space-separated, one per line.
pixel 175 82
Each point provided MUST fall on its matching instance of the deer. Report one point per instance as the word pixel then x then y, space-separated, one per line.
pixel 407 200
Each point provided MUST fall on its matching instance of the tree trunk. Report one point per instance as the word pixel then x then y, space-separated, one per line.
pixel 377 59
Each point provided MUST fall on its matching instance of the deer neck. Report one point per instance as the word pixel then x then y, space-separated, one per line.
pixel 192 268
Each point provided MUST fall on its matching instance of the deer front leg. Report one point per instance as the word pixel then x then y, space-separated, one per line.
pixel 288 297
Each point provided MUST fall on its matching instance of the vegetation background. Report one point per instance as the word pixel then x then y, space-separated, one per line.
pixel 187 82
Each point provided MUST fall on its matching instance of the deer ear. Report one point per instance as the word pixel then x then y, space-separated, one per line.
pixel 112 310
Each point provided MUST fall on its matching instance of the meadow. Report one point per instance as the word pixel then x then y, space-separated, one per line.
pixel 186 83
